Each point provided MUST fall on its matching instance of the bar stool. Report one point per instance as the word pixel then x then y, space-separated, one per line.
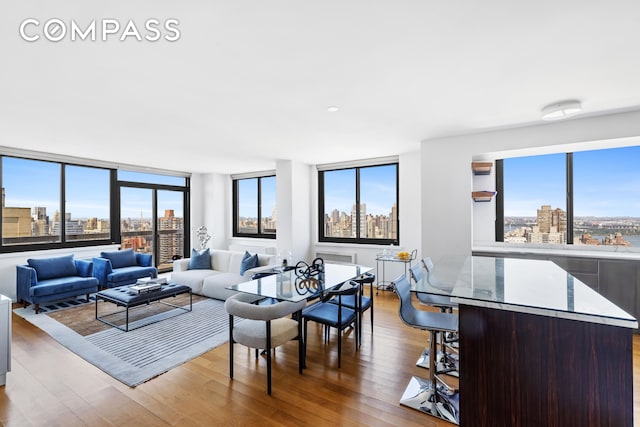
pixel 436 391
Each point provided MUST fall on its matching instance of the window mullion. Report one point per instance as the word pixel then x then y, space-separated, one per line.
pixel 570 198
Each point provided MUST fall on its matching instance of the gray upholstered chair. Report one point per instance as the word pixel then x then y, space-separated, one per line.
pixel 265 327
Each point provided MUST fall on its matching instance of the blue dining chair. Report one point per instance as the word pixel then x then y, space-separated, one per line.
pixel 365 303
pixel 335 315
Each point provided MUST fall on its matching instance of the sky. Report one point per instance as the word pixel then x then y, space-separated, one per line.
pixel 378 189
pixel 31 183
pixel 605 183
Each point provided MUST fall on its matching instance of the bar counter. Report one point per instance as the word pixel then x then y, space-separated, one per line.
pixel 538 347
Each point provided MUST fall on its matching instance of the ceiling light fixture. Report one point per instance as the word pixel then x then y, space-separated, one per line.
pixel 333 109
pixel 561 110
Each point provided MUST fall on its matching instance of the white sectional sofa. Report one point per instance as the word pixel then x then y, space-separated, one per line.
pixel 225 271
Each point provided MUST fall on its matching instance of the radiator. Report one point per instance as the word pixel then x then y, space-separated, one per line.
pixel 337 257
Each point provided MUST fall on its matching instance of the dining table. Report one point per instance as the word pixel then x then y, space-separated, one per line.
pixel 537 346
pixel 294 284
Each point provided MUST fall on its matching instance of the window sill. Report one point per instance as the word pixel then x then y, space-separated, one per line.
pixel 559 250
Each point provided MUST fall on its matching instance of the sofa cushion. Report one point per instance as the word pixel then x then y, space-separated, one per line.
pixel 200 260
pixel 130 274
pixel 49 268
pixel 119 259
pixel 214 286
pixel 192 278
pixel 248 262
pixel 61 285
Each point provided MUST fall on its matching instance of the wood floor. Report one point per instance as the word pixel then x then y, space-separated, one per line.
pixel 50 386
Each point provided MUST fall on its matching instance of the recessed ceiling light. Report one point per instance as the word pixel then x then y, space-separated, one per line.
pixel 332 109
pixel 561 110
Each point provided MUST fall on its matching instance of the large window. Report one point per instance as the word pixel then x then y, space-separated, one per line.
pixel 30 201
pixel 581 198
pixel 152 218
pixel 359 204
pixel 254 207
pixel 48 204
pixel 87 203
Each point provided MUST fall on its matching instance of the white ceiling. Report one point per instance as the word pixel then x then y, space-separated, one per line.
pixel 249 81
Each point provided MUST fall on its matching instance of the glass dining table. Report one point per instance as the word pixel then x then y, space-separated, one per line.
pixel 287 286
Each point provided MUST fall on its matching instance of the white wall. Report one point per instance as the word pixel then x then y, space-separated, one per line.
pixel 447 179
pixel 294 209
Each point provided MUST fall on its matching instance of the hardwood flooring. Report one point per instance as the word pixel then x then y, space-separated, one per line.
pixel 50 386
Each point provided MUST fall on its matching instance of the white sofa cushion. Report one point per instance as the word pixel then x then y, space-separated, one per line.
pixel 192 278
pixel 225 272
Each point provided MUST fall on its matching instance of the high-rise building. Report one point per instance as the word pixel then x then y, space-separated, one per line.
pixel 362 218
pixel 171 231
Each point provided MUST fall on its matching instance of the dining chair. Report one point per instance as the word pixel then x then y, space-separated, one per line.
pixel 264 327
pixel 435 323
pixel 365 303
pixel 332 315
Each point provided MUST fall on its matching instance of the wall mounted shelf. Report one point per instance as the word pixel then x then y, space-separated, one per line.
pixel 482 196
pixel 481 168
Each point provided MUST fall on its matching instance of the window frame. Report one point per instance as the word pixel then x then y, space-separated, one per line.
pixel 569 190
pixel 260 234
pixel 114 204
pixel 357 240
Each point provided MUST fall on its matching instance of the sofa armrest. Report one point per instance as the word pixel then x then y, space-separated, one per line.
pixel 101 269
pixel 144 260
pixel 84 267
pixel 26 277
pixel 181 264
pixel 250 272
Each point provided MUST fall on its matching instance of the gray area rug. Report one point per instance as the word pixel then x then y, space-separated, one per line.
pixel 141 354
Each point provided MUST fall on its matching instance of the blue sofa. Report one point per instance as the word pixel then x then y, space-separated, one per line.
pixel 119 268
pixel 51 279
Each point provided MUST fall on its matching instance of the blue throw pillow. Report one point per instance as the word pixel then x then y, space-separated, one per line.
pixel 248 262
pixel 49 268
pixel 200 260
pixel 119 259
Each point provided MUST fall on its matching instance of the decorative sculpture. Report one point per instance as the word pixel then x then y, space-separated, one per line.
pixel 203 236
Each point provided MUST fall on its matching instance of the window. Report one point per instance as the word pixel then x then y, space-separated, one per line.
pixel 534 197
pixel 87 203
pixel 606 197
pixel 49 204
pixel 254 207
pixel 30 201
pixel 581 198
pixel 359 204
pixel 152 216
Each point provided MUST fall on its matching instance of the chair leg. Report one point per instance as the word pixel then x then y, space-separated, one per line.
pixel 268 357
pixel 301 361
pixel 231 346
pixel 304 344
pixel 37 307
pixel 340 346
